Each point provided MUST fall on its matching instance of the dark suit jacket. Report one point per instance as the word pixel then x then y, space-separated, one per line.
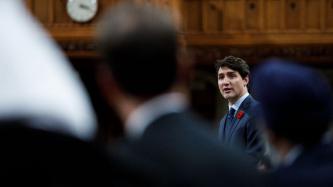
pixel 36 157
pixel 244 131
pixel 184 153
pixel 314 167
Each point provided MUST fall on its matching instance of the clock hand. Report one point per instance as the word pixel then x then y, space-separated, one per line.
pixel 83 6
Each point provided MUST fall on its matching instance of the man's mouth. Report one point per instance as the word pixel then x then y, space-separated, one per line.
pixel 227 90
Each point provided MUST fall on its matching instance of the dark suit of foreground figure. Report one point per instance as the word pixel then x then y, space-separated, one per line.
pixel 165 143
pixel 35 157
pixel 237 127
pixel 297 108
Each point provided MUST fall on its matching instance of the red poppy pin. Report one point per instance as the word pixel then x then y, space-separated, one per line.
pixel 239 115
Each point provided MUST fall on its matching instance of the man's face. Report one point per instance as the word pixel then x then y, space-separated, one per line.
pixel 232 86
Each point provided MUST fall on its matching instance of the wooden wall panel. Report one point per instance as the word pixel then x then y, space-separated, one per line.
pixel 329 15
pixel 60 16
pixel 208 22
pixel 273 16
pixel 192 15
pixel 233 15
pixel 253 13
pixel 44 14
pixel 293 16
pixel 213 16
pixel 312 14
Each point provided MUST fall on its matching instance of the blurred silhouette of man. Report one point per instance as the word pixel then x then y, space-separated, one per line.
pixel 46 122
pixel 238 126
pixel 297 111
pixel 140 47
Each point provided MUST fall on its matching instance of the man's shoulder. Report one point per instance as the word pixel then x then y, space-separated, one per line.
pixel 252 101
pixel 254 106
pixel 249 105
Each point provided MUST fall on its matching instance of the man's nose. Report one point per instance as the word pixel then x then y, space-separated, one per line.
pixel 225 81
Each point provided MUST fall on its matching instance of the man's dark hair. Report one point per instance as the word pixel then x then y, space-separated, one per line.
pixel 139 44
pixel 234 63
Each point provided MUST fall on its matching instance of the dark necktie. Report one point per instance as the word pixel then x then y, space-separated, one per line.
pixel 229 124
pixel 231 114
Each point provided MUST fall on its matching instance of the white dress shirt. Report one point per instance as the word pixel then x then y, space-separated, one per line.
pixel 238 103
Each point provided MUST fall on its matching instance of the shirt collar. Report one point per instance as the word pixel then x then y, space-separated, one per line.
pixel 141 117
pixel 237 104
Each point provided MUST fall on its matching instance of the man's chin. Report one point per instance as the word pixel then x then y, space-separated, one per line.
pixel 228 96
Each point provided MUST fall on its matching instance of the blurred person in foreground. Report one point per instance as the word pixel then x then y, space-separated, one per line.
pixel 46 121
pixel 297 111
pixel 140 47
pixel 36 80
pixel 238 127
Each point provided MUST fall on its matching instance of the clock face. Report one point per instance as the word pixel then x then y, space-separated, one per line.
pixel 81 10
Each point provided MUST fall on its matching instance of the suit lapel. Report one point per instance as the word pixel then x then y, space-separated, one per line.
pixel 244 108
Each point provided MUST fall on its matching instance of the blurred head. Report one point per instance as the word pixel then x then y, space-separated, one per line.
pixel 233 77
pixel 296 101
pixel 139 44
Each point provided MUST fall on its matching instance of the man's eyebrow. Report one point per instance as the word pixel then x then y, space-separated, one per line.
pixel 231 72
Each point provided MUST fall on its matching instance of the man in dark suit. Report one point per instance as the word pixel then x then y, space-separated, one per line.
pixel 140 46
pixel 297 108
pixel 238 127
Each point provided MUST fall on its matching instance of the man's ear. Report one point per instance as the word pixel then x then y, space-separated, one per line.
pixel 107 85
pixel 246 80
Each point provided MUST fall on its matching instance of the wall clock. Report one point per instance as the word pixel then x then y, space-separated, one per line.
pixel 82 10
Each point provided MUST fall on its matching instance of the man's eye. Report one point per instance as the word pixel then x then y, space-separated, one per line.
pixel 232 76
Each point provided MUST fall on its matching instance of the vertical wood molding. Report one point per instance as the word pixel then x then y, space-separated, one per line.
pixel 283 15
pixel 303 12
pixel 261 15
pixel 323 15
pixel 51 12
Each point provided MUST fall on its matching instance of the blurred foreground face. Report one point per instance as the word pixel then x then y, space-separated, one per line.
pixel 232 86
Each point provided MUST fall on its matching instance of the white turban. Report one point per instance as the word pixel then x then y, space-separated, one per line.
pixel 36 80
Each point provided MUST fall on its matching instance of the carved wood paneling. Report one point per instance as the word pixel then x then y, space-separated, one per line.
pixel 293 14
pixel 233 15
pixel 253 14
pixel 208 22
pixel 312 14
pixel 329 15
pixel 192 15
pixel 273 16
pixel 213 16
